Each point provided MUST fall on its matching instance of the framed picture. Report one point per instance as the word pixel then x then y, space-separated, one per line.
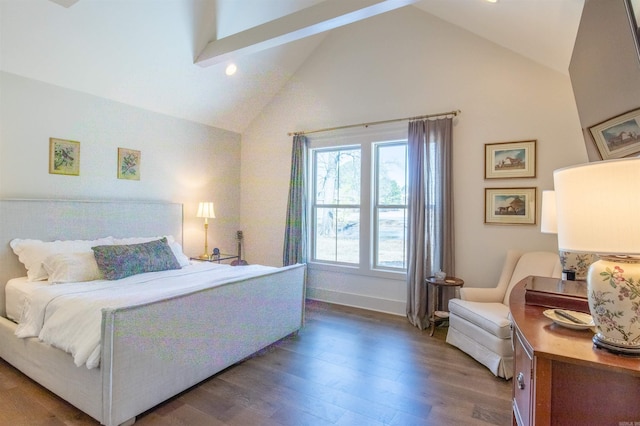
pixel 64 157
pixel 619 136
pixel 510 160
pixel 510 206
pixel 128 164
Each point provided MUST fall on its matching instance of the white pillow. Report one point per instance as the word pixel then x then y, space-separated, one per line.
pixel 72 267
pixel 182 258
pixel 32 253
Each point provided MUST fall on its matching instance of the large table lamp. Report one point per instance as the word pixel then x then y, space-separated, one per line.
pixel 597 211
pixel 205 210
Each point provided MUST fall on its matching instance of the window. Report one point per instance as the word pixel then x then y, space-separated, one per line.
pixel 390 205
pixel 336 205
pixel 358 205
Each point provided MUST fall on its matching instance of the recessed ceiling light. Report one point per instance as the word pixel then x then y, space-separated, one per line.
pixel 231 69
pixel 492 1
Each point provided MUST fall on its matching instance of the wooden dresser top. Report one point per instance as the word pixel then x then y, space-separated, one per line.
pixel 553 341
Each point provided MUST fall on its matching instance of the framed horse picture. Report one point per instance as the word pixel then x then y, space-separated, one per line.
pixel 618 137
pixel 510 160
pixel 510 206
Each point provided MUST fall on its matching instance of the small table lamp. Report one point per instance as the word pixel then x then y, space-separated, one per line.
pixel 597 206
pixel 576 264
pixel 548 222
pixel 205 210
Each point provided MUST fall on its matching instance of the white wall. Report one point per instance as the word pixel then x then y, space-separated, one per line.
pixel 182 161
pixel 407 63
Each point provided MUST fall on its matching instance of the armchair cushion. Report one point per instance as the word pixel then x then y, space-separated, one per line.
pixel 487 295
pixel 491 317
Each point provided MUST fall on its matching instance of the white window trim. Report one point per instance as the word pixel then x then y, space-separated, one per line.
pixel 358 137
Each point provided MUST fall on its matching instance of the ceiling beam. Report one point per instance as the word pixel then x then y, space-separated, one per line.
pixel 313 20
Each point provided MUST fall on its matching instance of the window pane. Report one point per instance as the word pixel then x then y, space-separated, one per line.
pixel 392 174
pixel 349 177
pixel 337 235
pixel 338 176
pixel 325 231
pixel 392 236
pixel 391 205
pixel 348 238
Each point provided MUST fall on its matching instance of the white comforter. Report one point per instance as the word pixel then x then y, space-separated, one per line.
pixel 69 316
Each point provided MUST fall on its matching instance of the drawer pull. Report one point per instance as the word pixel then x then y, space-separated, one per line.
pixel 520 380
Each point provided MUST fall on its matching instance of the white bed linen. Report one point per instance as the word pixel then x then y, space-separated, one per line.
pixel 69 316
pixel 17 291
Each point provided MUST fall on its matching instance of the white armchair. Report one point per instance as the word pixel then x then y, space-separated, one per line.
pixel 479 321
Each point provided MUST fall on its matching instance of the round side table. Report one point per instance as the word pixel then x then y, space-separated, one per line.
pixel 436 284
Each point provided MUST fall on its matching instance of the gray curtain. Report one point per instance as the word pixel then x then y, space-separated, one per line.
pixel 430 224
pixel 295 242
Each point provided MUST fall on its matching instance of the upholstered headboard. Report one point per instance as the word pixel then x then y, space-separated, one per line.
pixel 51 220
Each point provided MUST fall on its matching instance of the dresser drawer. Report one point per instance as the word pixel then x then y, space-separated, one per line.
pixel 522 384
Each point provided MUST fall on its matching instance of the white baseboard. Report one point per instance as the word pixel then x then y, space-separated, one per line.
pixel 395 307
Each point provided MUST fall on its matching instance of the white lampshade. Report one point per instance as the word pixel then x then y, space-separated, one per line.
pixel 548 223
pixel 597 207
pixel 205 209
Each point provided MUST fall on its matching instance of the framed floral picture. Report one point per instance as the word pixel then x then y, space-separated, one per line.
pixel 510 206
pixel 128 164
pixel 64 157
pixel 619 136
pixel 510 160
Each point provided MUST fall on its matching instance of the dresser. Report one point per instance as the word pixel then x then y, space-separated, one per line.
pixel 560 378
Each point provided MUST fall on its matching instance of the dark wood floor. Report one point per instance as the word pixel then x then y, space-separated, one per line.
pixel 345 367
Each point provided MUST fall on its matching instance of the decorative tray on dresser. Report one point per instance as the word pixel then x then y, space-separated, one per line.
pixel 556 293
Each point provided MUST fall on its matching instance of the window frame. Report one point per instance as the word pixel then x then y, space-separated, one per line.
pixel 314 206
pixel 365 139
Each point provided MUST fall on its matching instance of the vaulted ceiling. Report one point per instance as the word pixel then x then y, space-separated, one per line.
pixel 170 56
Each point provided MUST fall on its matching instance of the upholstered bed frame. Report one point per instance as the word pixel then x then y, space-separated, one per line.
pixel 153 351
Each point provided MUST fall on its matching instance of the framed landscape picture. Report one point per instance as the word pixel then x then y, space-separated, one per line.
pixel 64 157
pixel 619 136
pixel 510 206
pixel 128 164
pixel 510 160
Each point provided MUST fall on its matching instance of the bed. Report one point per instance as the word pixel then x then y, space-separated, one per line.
pixel 149 351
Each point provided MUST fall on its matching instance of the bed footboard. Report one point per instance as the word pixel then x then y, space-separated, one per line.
pixel 53 369
pixel 154 351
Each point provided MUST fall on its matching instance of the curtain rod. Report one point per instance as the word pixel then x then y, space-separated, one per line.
pixel 420 117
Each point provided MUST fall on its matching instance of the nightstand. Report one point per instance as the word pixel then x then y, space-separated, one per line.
pixel 216 259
